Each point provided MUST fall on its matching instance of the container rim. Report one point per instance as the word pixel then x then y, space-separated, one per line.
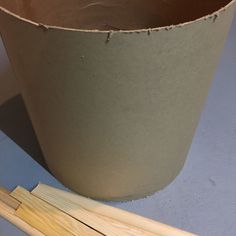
pixel 213 16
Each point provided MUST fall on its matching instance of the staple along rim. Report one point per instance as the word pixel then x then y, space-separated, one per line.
pixel 213 16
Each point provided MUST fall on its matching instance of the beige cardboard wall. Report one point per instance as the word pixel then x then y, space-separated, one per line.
pixel 115 111
pixel 8 84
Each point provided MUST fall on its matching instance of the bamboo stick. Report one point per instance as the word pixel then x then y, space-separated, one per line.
pixel 47 218
pixel 24 213
pixel 40 221
pixel 103 224
pixel 78 213
pixel 129 229
pixel 8 200
pixel 58 197
pixel 4 190
pixel 8 213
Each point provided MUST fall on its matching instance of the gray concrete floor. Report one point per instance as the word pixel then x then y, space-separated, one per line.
pixel 202 199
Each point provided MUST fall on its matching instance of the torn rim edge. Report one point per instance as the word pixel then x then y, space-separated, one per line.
pixel 213 16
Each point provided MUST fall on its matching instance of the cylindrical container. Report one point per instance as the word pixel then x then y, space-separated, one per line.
pixel 115 88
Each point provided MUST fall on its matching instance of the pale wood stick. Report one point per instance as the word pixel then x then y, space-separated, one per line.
pixel 100 222
pixel 40 221
pixel 4 190
pixel 8 213
pixel 57 196
pixel 78 213
pixel 107 227
pixel 8 200
pixel 47 218
pixel 24 212
pixel 129 229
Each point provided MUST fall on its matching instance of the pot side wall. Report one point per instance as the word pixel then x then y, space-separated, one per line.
pixel 115 118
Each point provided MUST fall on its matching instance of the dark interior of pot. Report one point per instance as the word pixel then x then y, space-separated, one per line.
pixel 112 14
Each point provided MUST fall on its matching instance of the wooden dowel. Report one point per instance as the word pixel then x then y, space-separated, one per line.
pixel 40 221
pixel 8 200
pixel 4 190
pixel 47 218
pixel 76 212
pixel 8 213
pixel 55 196
pixel 129 229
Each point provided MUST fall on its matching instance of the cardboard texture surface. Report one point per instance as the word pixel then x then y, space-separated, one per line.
pixel 115 111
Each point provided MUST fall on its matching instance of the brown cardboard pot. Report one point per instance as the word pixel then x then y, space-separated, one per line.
pixel 115 88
